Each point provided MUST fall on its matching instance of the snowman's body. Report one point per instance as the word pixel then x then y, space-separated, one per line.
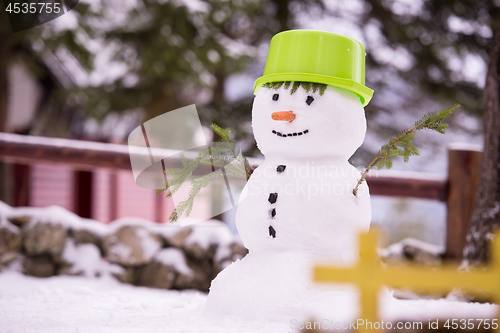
pixel 298 206
pixel 309 206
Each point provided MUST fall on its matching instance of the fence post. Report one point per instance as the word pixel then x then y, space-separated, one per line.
pixel 463 176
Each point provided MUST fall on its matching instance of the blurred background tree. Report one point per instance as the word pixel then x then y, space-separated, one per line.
pixel 486 214
pixel 138 59
pixel 158 55
pixel 155 56
pixel 446 45
pixel 26 47
pixel 178 53
pixel 445 42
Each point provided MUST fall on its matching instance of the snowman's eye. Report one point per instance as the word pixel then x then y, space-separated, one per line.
pixel 309 100
pixel 275 97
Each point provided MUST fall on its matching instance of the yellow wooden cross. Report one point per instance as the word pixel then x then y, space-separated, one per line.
pixel 370 277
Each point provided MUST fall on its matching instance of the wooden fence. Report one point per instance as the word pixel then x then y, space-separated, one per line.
pixel 457 190
pixel 479 281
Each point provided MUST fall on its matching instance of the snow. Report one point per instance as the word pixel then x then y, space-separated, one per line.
pixel 86 259
pixel 5 210
pixel 93 226
pixel 194 6
pixel 208 233
pixel 63 304
pixel 238 86
pixel 54 214
pixel 167 230
pixel 88 145
pixel 174 257
pixel 397 248
pixel 313 215
pixel 460 25
pixel 441 308
pixel 465 146
pixel 120 250
pixel 374 173
pixel 235 48
pixel 78 304
pixel 149 245
pixel 9 226
pixel 223 251
pixel 129 221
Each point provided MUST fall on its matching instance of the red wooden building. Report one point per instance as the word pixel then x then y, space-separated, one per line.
pixel 101 194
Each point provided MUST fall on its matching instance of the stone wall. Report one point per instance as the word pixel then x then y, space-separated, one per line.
pixel 49 241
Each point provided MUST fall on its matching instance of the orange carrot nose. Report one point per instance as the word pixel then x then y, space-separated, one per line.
pixel 283 116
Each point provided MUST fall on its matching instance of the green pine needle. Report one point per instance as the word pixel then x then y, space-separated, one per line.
pixel 223 155
pixel 307 86
pixel 322 89
pixel 401 144
pixel 221 132
pixel 295 86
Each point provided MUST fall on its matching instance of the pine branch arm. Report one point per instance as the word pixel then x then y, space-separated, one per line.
pixel 402 144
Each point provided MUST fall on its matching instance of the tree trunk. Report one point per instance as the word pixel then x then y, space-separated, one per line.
pixel 283 14
pixel 5 50
pixel 5 53
pixel 486 214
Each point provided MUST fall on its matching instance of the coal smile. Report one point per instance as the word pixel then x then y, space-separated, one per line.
pixel 286 135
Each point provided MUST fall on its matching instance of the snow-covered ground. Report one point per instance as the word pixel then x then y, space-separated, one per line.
pixel 79 304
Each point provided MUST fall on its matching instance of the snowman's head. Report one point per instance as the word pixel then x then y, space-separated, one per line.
pixel 309 120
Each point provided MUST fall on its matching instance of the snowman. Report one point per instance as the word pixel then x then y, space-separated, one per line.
pixel 298 206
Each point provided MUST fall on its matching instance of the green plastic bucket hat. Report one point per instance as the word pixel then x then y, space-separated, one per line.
pixel 317 56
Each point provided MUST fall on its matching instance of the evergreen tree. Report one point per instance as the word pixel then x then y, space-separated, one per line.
pixel 442 36
pixel 486 213
pixel 18 46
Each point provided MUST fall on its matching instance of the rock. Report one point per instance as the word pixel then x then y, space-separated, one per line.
pixel 203 241
pixel 8 257
pixel 125 274
pixel 413 250
pixel 44 238
pixel 86 236
pixel 10 237
pixel 81 259
pixel 131 245
pixel 423 253
pixel 157 275
pixel 189 274
pixel 21 220
pixel 66 270
pixel 11 261
pixel 238 251
pixel 40 266
pixel 177 239
pixel 170 269
pixel 85 231
pixel 205 248
pixel 199 279
pixel 227 254
pixel 200 253
pixel 202 263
